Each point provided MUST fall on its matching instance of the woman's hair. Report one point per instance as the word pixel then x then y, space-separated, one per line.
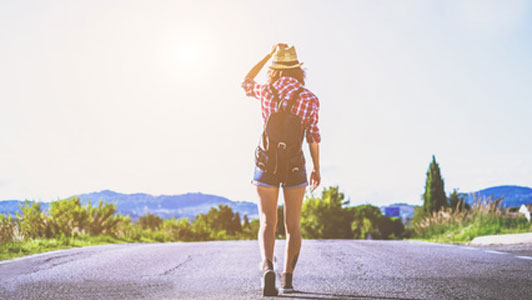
pixel 296 73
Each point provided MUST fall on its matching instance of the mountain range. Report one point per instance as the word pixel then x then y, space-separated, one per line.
pixel 191 204
pixel 513 195
pixel 165 206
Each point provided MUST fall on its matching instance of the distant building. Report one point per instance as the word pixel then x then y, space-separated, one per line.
pixel 392 211
pixel 401 210
pixel 526 209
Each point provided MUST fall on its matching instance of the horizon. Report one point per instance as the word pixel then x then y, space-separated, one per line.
pixel 208 194
pixel 141 96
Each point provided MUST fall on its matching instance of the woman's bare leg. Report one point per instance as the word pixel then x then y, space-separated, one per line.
pixel 268 220
pixel 293 200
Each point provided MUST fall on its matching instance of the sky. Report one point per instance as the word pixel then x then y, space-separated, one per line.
pixel 145 96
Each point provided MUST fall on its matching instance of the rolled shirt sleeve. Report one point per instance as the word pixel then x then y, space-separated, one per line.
pixel 252 88
pixel 313 132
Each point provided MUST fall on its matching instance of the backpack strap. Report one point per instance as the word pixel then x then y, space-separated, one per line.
pixel 292 100
pixel 275 94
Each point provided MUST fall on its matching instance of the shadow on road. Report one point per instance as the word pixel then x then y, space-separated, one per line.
pixel 320 296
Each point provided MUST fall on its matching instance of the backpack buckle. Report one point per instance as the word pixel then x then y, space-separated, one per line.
pixel 281 145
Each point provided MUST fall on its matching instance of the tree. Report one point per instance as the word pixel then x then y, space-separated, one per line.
pixel 364 223
pixel 7 229
pixel 221 218
pixel 150 221
pixel 325 217
pixel 68 217
pixel 369 222
pixel 246 222
pixel 102 219
pixel 250 229
pixel 390 228
pixel 236 226
pixel 279 231
pixel 178 229
pixel 200 228
pixel 457 202
pixel 434 197
pixel 32 221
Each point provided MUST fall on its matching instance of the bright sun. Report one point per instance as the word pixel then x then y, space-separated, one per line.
pixel 188 53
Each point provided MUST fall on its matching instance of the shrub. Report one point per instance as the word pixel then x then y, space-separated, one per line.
pixel 7 229
pixel 101 219
pixel 458 225
pixel 201 228
pixel 150 221
pixel 178 229
pixel 68 217
pixel 32 221
pixel 325 217
pixel 369 222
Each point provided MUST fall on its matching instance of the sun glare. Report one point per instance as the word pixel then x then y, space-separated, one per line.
pixel 188 53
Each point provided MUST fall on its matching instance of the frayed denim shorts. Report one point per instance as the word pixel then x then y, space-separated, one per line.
pixel 293 180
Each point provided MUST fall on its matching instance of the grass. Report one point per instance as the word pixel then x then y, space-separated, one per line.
pixel 464 235
pixel 11 250
pixel 463 225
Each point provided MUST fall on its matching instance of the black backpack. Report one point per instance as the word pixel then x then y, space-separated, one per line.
pixel 279 151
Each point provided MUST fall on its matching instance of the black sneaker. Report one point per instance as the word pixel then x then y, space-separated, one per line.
pixel 286 283
pixel 268 279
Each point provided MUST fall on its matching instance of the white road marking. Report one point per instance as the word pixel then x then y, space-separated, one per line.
pixel 469 248
pixel 525 257
pixel 495 252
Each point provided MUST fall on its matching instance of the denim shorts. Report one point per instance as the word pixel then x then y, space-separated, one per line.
pixel 293 180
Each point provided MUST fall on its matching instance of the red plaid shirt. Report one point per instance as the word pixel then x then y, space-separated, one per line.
pixel 306 105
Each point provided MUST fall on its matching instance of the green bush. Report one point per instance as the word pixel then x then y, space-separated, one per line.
pixel 178 229
pixel 150 221
pixel 68 217
pixel 102 220
pixel 201 229
pixel 485 217
pixel 328 218
pixel 369 222
pixel 364 221
pixel 7 229
pixel 325 217
pixel 222 218
pixel 33 223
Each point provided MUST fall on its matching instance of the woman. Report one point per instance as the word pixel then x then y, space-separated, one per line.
pixel 286 81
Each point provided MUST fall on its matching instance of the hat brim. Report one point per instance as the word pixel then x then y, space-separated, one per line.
pixel 284 67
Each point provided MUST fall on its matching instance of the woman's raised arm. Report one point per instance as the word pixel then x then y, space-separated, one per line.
pixel 256 69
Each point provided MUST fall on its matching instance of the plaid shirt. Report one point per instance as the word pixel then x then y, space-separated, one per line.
pixel 306 105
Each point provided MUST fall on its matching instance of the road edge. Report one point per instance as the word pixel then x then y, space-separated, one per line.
pixel 502 239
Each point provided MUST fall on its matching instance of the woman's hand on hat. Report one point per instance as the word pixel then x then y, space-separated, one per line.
pixel 278 45
pixel 274 48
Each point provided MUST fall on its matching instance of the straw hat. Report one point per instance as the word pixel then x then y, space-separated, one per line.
pixel 285 58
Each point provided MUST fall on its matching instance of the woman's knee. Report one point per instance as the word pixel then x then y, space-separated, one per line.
pixel 293 229
pixel 268 220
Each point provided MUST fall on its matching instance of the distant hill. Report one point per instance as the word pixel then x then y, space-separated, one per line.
pixel 513 195
pixel 165 206
pixel 10 207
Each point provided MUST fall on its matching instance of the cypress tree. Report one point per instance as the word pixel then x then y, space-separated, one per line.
pixel 434 197
pixel 237 225
pixel 246 222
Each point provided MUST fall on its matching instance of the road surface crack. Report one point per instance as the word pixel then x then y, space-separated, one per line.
pixel 167 272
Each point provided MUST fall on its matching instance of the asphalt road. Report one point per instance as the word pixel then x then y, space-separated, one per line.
pixel 328 269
